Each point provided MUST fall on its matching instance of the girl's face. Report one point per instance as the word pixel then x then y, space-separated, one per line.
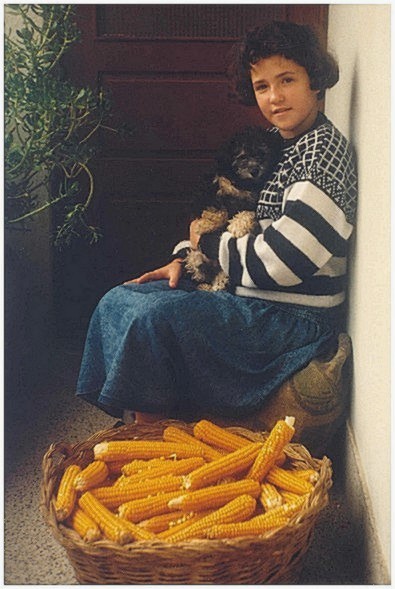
pixel 283 93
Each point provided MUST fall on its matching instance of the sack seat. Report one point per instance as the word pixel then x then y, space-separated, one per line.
pixel 317 396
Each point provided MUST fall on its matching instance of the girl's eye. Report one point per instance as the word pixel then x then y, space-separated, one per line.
pixel 260 88
pixel 287 80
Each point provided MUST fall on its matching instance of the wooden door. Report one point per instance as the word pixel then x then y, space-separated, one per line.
pixel 165 68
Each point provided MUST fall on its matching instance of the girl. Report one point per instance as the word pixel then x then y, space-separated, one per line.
pixel 158 347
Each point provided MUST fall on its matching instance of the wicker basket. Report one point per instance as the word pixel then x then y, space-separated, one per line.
pixel 273 558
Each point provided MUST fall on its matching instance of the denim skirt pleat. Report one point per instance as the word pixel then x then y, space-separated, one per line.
pixel 182 351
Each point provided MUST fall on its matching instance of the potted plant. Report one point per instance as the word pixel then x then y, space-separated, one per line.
pixel 51 126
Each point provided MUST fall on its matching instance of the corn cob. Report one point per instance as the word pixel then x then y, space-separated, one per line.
pixel 95 473
pixel 181 525
pixel 251 527
pixel 130 449
pixel 209 432
pixel 140 509
pixel 232 463
pixel 122 481
pixel 66 496
pixel 113 497
pixel 307 474
pixel 84 525
pixel 159 523
pixel 270 497
pixel 139 533
pixel 175 434
pixel 279 436
pixel 174 467
pixel 288 497
pixel 138 466
pixel 112 526
pixel 236 510
pixel 213 497
pixel 286 479
pixel 277 517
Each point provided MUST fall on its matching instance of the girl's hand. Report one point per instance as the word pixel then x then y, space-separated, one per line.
pixel 171 272
pixel 193 235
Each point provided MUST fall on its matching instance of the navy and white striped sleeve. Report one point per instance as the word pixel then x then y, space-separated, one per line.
pixel 311 230
pixel 310 236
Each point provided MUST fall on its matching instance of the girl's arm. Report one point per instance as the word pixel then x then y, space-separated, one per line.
pixel 317 181
pixel 172 271
pixel 312 229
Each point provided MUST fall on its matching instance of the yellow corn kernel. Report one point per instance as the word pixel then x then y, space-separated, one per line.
pixel 279 436
pixel 140 509
pixel 209 432
pixel 139 533
pixel 66 496
pixel 141 449
pixel 138 466
pixel 288 497
pixel 270 496
pixel 251 527
pixel 232 463
pixel 121 481
pixel 113 497
pixel 181 525
pixel 95 473
pixel 175 434
pixel 174 467
pixel 84 525
pixel 113 527
pixel 236 510
pixel 213 497
pixel 307 474
pixel 160 523
pixel 274 518
pixel 286 479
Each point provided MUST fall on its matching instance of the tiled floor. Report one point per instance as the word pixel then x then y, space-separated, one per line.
pixel 33 557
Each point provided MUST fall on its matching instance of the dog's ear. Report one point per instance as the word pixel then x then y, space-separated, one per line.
pixel 225 155
pixel 253 138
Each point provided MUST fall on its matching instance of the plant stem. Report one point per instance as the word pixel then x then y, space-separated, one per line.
pixel 36 211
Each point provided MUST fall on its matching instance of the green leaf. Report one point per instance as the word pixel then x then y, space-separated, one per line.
pixel 50 125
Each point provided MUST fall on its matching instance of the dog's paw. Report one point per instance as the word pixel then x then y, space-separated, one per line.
pixel 194 263
pixel 205 286
pixel 220 282
pixel 211 220
pixel 242 223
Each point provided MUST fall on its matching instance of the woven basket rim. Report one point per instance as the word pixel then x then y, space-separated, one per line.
pixel 83 451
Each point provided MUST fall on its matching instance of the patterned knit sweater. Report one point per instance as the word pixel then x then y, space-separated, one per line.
pixel 306 213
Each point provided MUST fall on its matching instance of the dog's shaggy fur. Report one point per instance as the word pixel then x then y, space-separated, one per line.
pixel 244 164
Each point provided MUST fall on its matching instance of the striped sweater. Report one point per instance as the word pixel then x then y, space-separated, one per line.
pixel 306 213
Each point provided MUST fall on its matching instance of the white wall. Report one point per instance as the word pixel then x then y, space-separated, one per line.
pixel 359 105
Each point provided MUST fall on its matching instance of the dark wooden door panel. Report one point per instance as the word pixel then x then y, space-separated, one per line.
pixel 180 21
pixel 165 69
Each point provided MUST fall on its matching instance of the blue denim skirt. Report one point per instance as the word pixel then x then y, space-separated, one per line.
pixel 181 352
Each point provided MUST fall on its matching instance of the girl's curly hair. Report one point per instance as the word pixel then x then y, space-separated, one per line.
pixel 292 41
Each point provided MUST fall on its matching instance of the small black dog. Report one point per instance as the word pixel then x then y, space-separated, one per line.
pixel 244 164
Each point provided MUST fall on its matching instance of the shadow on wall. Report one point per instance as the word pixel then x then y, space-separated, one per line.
pixel 352 109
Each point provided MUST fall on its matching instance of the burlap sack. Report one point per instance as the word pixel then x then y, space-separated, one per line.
pixel 317 397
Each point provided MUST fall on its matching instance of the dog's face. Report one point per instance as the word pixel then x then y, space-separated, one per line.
pixel 249 158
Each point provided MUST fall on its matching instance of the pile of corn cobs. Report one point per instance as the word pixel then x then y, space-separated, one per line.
pixel 212 484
